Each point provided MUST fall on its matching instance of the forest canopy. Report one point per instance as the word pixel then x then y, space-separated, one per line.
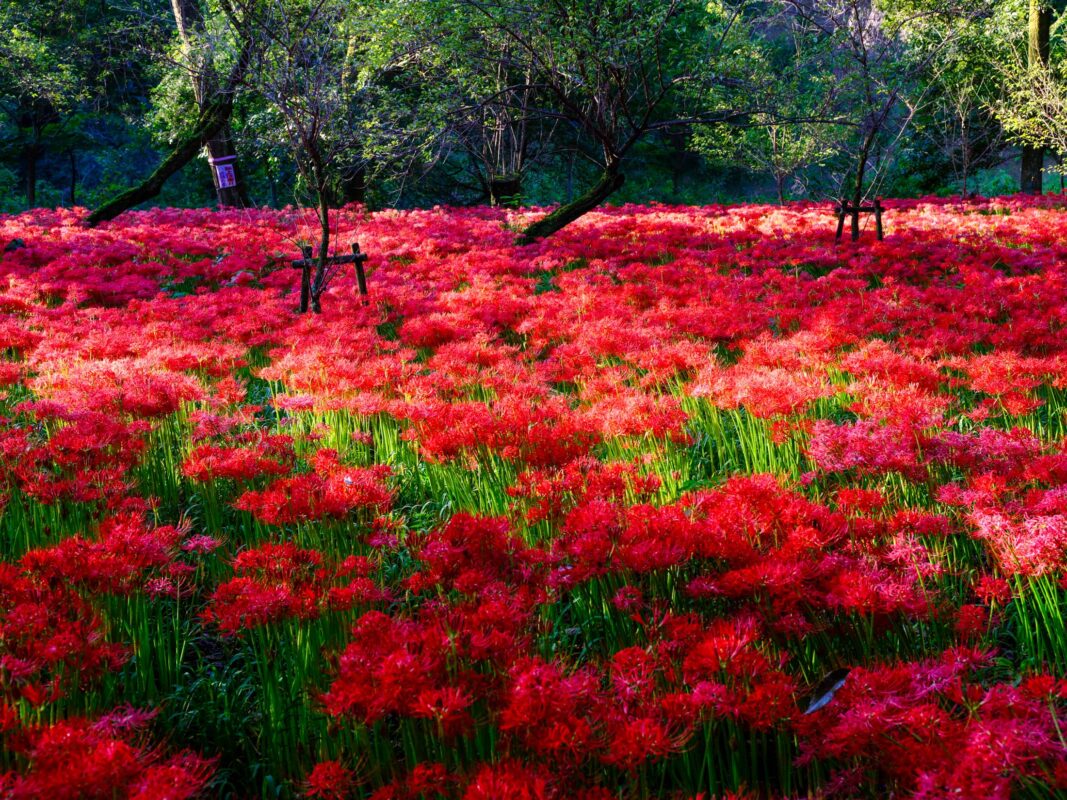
pixel 411 103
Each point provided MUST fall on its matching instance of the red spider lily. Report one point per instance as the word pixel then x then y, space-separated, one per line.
pixel 469 553
pixel 331 491
pixel 77 759
pixel 637 603
pixel 1028 545
pixel 273 456
pixel 929 733
pixel 386 668
pixel 509 779
pixel 85 459
pixel 765 392
pixel 123 556
pixel 281 581
pixel 330 780
pixel 551 493
pixel 865 447
pixel 51 639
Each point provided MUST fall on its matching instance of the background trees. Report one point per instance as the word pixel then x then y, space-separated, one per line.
pixel 69 74
pixel 573 102
pixel 1033 105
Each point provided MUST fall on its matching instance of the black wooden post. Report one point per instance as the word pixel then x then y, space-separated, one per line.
pixel 309 262
pixel 846 209
pixel 305 278
pixel 361 277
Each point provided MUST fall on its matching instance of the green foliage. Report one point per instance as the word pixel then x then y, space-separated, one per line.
pixel 435 100
pixel 65 70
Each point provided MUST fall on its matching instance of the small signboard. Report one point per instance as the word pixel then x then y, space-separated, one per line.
pixel 225 174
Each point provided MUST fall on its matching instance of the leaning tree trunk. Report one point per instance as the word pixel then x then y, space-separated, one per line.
pixel 209 122
pixel 608 184
pixel 211 119
pixel 1031 173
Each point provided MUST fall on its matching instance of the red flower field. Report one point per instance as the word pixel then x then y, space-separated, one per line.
pixel 680 503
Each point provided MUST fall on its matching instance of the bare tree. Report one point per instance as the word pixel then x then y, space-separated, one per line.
pixel 878 89
pixel 495 123
pixel 617 71
pixel 970 137
pixel 303 71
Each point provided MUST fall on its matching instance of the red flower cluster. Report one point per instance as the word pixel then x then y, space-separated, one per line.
pixel 680 502
pixel 281 581
pixel 933 731
pixel 332 490
pixel 81 760
pixel 272 455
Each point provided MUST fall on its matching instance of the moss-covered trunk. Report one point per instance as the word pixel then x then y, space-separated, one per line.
pixel 209 122
pixel 608 184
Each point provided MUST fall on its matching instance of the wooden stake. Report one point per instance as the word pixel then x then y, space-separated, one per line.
pixel 309 262
pixel 845 209
pixel 305 278
pixel 361 277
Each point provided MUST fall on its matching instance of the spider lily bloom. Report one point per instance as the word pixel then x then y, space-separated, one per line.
pixel 330 780
pixel 275 582
pixel 124 555
pixel 272 456
pixel 332 490
pixel 75 759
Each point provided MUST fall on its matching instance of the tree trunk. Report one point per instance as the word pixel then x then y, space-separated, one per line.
pixel 305 278
pixel 857 190
pixel 192 31
pixel 608 184
pixel 73 180
pixel 1031 173
pixel 31 176
pixel 210 122
pixel 318 284
pixel 505 190
pixel 221 146
pixel 1031 177
pixel 322 209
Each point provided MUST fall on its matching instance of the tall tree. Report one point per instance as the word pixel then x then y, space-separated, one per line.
pixel 1033 104
pixel 1039 23
pixel 61 65
pixel 198 59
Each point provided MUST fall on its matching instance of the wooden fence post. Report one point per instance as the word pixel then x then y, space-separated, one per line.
pixel 305 278
pixel 361 277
